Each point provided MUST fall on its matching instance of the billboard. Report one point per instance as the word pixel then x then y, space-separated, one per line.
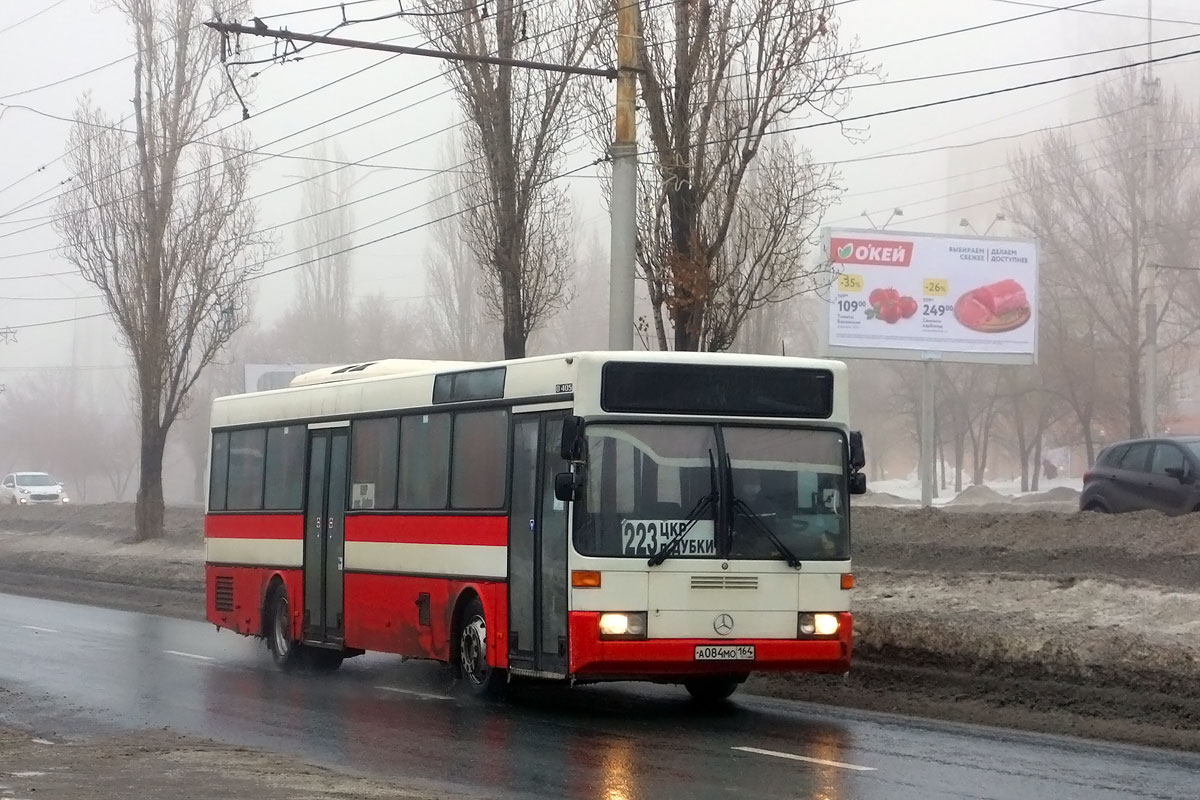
pixel 919 296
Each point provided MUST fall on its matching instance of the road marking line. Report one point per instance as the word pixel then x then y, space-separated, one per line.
pixel 41 630
pixel 41 741
pixel 421 695
pixel 794 757
pixel 188 655
pixel 27 774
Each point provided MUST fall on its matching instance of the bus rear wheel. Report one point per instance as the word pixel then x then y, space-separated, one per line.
pixel 481 677
pixel 712 689
pixel 286 652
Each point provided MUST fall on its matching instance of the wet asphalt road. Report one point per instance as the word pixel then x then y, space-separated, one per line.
pixel 95 669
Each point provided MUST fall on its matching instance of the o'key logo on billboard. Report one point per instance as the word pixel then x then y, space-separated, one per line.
pixel 871 252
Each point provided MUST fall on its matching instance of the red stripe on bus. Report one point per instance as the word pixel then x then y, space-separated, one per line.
pixel 254 526
pixel 405 529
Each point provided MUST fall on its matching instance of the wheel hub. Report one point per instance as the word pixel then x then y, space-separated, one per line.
pixel 474 651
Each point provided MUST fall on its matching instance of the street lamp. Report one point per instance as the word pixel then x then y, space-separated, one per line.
pixel 966 223
pixel 896 212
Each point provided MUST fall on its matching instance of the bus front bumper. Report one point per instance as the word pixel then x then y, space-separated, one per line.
pixel 591 656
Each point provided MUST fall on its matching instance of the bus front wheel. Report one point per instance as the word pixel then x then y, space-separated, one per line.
pixel 481 677
pixel 713 689
pixel 286 652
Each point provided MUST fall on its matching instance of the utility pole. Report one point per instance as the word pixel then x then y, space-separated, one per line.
pixel 623 208
pixel 1150 235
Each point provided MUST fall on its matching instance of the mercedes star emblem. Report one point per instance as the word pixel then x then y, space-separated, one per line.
pixel 723 624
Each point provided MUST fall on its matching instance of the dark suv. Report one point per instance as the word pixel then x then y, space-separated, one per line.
pixel 1157 474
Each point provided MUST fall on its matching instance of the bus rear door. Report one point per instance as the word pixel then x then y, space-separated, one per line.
pixel 325 536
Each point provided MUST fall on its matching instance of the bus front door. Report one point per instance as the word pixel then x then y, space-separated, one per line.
pixel 325 536
pixel 537 550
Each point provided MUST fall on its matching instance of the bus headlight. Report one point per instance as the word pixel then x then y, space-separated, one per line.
pixel 627 625
pixel 817 625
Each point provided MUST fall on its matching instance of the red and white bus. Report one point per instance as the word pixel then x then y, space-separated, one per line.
pixel 674 517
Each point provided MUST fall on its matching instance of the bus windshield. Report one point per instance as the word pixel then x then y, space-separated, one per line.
pixel 646 482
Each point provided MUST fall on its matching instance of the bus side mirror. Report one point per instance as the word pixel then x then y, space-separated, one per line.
pixel 858 483
pixel 571 448
pixel 568 486
pixel 858 453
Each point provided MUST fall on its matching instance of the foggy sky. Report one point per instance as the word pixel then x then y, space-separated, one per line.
pixel 81 35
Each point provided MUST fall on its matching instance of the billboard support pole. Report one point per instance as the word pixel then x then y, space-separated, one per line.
pixel 928 468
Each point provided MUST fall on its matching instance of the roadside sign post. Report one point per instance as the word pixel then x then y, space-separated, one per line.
pixel 931 298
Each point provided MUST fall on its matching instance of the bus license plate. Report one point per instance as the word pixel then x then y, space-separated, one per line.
pixel 724 652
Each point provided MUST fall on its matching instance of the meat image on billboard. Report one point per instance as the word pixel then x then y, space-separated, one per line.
pixel 895 293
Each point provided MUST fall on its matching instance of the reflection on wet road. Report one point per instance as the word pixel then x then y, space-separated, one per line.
pixel 411 722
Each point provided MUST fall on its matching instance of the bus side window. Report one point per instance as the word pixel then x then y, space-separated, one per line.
pixel 374 461
pixel 247 452
pixel 424 461
pixel 480 447
pixel 285 468
pixel 218 478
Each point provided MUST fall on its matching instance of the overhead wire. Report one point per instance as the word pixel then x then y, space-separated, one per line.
pixel 30 204
pixel 958 99
pixel 347 249
pixel 1098 13
pixel 33 16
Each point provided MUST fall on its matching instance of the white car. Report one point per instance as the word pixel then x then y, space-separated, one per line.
pixel 27 488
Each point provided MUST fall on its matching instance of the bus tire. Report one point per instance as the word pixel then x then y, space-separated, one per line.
pixel 712 689
pixel 286 652
pixel 481 678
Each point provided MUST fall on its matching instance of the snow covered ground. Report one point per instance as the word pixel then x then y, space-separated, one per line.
pixel 910 488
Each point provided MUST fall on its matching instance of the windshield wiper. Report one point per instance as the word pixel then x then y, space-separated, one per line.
pixel 705 503
pixel 739 506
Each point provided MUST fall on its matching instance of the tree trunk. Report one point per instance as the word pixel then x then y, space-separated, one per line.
pixel 514 318
pixel 960 455
pixel 1037 460
pixel 1134 386
pixel 150 507
pixel 1022 445
pixel 199 474
pixel 942 459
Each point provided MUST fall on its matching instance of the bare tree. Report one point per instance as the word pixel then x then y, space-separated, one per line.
pixel 731 207
pixel 160 225
pixel 461 322
pixel 1086 202
pixel 384 329
pixel 325 282
pixel 519 122
pixel 583 322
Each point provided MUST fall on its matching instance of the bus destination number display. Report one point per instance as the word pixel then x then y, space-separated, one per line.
pixel 645 537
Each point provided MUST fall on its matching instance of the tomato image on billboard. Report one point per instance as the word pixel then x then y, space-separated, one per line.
pixel 890 306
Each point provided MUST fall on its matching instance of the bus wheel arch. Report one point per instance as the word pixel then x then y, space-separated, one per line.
pixel 287 653
pixel 464 598
pixel 469 645
pixel 273 584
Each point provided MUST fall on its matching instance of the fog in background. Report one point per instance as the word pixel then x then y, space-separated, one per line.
pixel 66 401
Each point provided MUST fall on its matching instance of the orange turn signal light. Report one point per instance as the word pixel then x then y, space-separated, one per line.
pixel 848 580
pixel 585 579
